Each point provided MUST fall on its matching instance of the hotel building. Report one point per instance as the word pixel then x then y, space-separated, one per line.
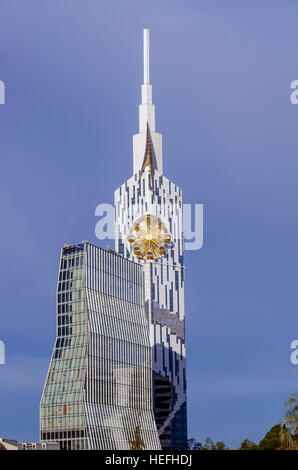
pixel 148 229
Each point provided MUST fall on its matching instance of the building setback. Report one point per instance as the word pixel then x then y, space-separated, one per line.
pixel 148 228
pixel 98 391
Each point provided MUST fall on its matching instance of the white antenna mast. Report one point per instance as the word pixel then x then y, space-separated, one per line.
pixel 146 57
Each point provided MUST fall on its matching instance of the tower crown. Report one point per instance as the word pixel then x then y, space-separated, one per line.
pixel 146 117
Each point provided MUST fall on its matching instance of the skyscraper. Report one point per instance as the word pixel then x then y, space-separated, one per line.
pixel 148 229
pixel 98 391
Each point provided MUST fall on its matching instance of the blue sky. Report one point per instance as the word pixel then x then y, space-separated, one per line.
pixel 221 73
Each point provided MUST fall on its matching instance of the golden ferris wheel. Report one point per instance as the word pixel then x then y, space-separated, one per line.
pixel 149 238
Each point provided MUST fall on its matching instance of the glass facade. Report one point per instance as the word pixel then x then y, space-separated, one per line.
pixel 99 388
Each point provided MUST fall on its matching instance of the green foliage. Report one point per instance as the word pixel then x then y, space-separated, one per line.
pixel 248 445
pixel 192 444
pixel 271 440
pixel 289 427
pixel 209 445
pixel 221 446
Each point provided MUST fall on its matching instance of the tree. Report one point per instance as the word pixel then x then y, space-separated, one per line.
pixel 192 444
pixel 271 440
pixel 248 445
pixel 221 446
pixel 288 433
pixel 209 445
pixel 137 444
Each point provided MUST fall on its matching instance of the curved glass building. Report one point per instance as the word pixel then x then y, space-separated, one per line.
pixel 98 390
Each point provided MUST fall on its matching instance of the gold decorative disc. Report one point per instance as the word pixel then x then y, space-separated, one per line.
pixel 149 238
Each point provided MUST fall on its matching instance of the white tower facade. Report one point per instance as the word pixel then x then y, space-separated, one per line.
pixel 149 193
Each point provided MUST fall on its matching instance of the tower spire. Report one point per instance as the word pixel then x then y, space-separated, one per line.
pixel 146 118
pixel 147 109
pixel 146 56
